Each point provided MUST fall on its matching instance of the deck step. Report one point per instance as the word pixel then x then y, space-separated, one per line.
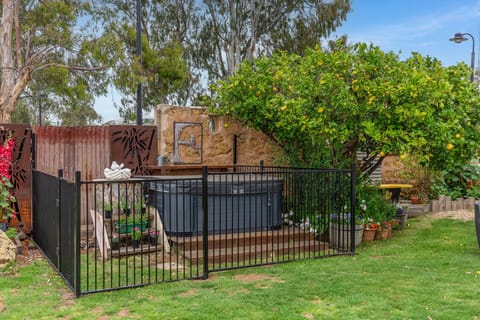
pixel 129 250
pixel 264 252
pixel 246 239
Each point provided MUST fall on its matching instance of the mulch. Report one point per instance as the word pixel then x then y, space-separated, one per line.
pixel 29 253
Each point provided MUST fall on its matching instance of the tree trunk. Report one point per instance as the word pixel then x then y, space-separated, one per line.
pixel 6 60
pixel 14 78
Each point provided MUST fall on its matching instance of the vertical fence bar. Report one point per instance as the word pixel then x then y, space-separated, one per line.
pixel 205 220
pixel 33 150
pixel 352 206
pixel 76 245
pixel 58 205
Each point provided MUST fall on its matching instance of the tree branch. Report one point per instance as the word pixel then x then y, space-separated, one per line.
pixel 77 68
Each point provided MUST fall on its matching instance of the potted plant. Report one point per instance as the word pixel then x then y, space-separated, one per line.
pixel 401 217
pixel 125 207
pixel 115 243
pixel 126 224
pixel 340 230
pixel 384 231
pixel 140 207
pixel 370 230
pixel 136 235
pixel 107 209
pixel 154 237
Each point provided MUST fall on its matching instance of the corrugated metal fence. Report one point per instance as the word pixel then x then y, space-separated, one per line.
pixel 89 149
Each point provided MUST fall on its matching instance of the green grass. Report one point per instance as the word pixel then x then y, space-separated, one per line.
pixel 431 269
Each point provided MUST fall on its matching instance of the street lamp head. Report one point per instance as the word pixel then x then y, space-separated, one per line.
pixel 458 38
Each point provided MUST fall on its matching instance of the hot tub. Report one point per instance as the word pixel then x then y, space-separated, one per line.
pixel 236 203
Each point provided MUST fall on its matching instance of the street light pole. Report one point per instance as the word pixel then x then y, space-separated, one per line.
pixel 139 53
pixel 41 96
pixel 460 37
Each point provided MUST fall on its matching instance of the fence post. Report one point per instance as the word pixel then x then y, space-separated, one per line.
pixel 352 204
pixel 58 199
pixel 205 220
pixel 76 246
pixel 33 150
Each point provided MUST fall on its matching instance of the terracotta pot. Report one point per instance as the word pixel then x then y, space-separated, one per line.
pixel 369 235
pixel 389 233
pixel 414 199
pixel 382 234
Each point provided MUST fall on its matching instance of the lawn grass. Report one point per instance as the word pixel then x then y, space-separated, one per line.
pixel 430 269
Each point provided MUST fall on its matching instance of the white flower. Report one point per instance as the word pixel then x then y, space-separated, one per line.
pixel 363 205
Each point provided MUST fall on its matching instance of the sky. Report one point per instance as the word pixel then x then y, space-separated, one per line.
pixel 423 26
pixel 401 26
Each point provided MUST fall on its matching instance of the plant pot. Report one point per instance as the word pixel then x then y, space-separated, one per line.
pixel 402 220
pixel 389 233
pixel 382 234
pixel 153 240
pixel 414 199
pixel 3 226
pixel 340 235
pixel 116 244
pixel 136 243
pixel 124 228
pixel 369 235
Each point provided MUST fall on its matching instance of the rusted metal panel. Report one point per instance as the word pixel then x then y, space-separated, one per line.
pixel 20 168
pixel 134 146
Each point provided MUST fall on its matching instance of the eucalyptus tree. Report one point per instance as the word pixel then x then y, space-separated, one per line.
pixel 215 36
pixel 162 68
pixel 233 31
pixel 43 52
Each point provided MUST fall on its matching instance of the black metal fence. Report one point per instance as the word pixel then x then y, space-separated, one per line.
pixel 54 206
pixel 166 228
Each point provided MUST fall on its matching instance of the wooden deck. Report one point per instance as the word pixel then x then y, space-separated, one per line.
pixel 238 247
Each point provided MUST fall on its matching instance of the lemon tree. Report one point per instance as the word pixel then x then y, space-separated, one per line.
pixel 325 105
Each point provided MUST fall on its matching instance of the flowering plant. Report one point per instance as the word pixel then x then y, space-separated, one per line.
pixel 6 196
pixel 345 218
pixel 385 225
pixel 371 225
pixel 136 234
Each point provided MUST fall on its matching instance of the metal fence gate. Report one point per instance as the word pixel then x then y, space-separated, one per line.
pixel 54 205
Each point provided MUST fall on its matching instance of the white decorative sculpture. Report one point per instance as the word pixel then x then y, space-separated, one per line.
pixel 117 172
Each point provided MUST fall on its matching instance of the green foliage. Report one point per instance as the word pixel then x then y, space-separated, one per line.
pixel 162 68
pixel 11 233
pixel 133 219
pixel 374 205
pixel 52 63
pixel 107 206
pixel 136 234
pixel 214 38
pixel 6 197
pixel 323 106
pixel 459 180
